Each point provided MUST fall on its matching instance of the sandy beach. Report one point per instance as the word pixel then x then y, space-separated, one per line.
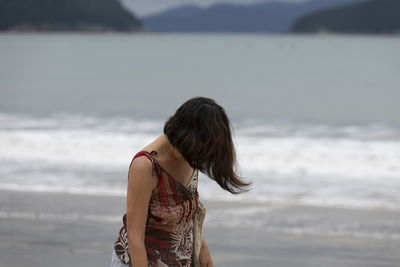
pixel 57 229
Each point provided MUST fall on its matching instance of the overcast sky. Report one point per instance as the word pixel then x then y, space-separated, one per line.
pixel 147 7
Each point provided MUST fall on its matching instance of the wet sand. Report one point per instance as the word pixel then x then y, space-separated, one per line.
pixel 56 229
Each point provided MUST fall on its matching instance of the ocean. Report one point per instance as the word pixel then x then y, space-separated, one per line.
pixel 316 118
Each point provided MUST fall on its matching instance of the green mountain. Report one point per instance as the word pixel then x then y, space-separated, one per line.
pixel 373 16
pixel 68 15
pixel 274 16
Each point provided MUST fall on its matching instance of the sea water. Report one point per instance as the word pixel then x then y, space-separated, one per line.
pixel 316 118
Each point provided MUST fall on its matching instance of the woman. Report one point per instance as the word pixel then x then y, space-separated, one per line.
pixel 163 222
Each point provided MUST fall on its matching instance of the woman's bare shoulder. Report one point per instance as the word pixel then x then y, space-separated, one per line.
pixel 141 172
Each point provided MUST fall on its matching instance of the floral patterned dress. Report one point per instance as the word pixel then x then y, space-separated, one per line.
pixel 170 224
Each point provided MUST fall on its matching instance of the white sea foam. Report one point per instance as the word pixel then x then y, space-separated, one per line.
pixel 349 165
pixel 40 216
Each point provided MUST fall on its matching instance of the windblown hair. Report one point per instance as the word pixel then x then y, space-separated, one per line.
pixel 201 131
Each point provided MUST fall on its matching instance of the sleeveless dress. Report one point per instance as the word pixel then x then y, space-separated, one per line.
pixel 174 222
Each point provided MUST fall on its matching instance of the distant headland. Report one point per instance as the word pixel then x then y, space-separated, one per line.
pixel 66 15
pixel 372 16
pixel 313 16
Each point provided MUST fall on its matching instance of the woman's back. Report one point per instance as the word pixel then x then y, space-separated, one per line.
pixel 170 225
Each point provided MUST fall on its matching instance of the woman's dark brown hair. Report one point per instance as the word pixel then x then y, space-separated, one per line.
pixel 201 131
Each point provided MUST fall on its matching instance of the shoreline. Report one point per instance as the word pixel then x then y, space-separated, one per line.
pixel 161 33
pixel 47 229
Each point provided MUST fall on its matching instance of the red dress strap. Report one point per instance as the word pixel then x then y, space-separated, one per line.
pixel 149 156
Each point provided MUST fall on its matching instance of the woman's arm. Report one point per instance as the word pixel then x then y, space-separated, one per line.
pixel 205 255
pixel 140 185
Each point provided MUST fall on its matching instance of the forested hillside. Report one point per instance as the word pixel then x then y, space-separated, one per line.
pixel 373 16
pixel 66 15
pixel 268 17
